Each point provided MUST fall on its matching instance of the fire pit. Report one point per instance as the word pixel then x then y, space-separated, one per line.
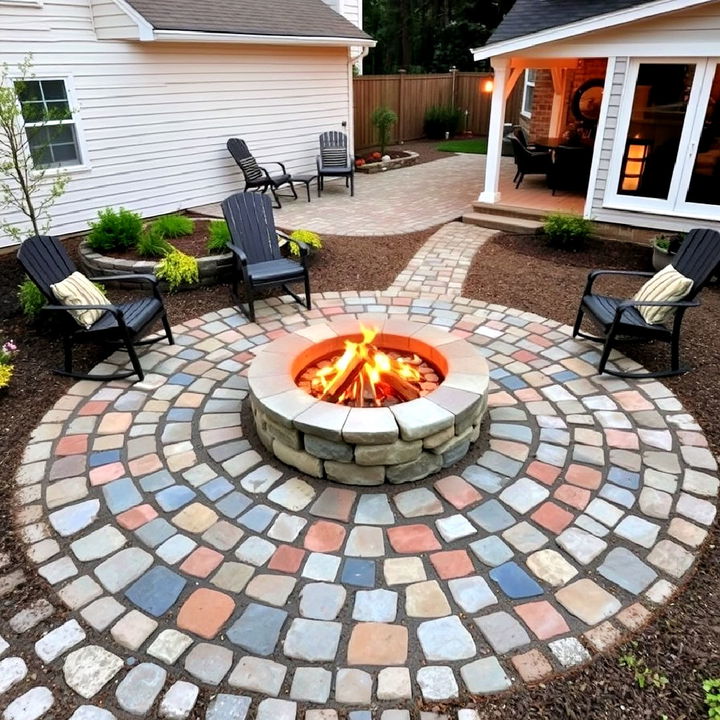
pixel 367 401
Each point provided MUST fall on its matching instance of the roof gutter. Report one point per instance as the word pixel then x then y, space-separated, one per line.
pixel 597 22
pixel 249 39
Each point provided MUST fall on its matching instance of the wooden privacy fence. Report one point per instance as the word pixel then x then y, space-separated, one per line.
pixel 411 95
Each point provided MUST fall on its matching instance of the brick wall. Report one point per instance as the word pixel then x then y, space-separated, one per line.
pixel 587 69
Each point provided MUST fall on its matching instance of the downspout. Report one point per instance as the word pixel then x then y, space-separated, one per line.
pixel 352 59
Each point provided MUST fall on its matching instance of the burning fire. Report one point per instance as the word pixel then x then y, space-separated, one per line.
pixel 365 376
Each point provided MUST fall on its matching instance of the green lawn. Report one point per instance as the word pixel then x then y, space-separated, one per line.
pixel 476 145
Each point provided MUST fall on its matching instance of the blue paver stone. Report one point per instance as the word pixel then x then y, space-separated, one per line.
pixel 514 581
pixel 156 591
pixel 360 573
pixel 257 629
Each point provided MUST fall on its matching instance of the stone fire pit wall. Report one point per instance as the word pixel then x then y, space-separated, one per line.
pixel 369 446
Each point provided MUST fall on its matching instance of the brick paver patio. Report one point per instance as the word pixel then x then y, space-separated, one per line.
pixel 185 561
pixel 409 199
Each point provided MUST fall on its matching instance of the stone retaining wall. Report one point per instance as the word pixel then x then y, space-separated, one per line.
pixel 212 269
pixel 394 164
pixel 369 446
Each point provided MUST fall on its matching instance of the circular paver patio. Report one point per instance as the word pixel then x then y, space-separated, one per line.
pixel 171 540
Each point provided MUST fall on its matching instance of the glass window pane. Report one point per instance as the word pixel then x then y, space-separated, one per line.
pixel 54 89
pixel 61 134
pixel 33 111
pixel 28 90
pixel 42 156
pixel 64 154
pixel 705 181
pixel 58 110
pixel 658 115
pixel 38 136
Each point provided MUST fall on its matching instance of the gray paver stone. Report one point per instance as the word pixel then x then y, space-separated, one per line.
pixel 90 712
pixel 353 687
pixel 492 550
pixel 228 707
pixel 121 569
pixel 446 639
pixel 582 546
pixel 569 651
pixel 89 669
pixel 312 640
pixel 311 685
pixel 258 675
pixel 272 709
pixel 258 628
pixel 437 683
pixel 375 606
pixel 31 616
pixel 59 640
pixel 169 645
pixel 322 601
pixel 208 663
pixel 394 684
pixel 502 631
pixel 179 701
pixel 472 593
pixel 485 675
pixel 12 671
pixel 638 530
pixel 31 705
pixel 138 690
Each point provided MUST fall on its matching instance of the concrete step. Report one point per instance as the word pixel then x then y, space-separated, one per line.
pixel 510 211
pixel 515 225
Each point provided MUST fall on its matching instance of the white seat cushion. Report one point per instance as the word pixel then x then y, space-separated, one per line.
pixel 666 286
pixel 76 289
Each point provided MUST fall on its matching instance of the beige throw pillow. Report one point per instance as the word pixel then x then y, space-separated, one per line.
pixel 78 290
pixel 666 286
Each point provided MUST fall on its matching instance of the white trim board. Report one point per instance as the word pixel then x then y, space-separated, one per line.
pixel 587 25
pixel 214 37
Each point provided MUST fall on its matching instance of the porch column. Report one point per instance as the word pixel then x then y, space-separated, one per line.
pixel 491 192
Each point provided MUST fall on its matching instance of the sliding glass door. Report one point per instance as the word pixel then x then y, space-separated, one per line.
pixel 666 156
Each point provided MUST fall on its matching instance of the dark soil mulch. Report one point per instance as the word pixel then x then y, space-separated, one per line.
pixel 426 149
pixel 372 157
pixel 683 642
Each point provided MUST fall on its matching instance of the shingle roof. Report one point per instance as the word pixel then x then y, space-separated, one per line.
pixel 530 16
pixel 297 18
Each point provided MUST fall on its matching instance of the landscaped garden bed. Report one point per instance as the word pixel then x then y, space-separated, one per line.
pixel 394 159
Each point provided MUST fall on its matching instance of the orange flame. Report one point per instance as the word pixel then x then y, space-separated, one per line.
pixel 370 384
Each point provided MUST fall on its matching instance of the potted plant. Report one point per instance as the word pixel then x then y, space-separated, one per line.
pixel 664 249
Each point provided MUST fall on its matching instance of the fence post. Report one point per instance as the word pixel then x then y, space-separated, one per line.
pixel 401 106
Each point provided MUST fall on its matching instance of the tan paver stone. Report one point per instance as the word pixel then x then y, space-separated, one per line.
pixel 552 567
pixel 195 518
pixel 603 637
pixel 634 616
pixel 532 666
pixel 588 601
pixel 402 571
pixel 426 600
pixel 272 589
pixel 378 644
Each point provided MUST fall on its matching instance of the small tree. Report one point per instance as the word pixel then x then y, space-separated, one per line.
pixel 383 118
pixel 24 187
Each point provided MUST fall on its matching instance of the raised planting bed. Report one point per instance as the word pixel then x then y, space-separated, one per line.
pixel 398 159
pixel 212 269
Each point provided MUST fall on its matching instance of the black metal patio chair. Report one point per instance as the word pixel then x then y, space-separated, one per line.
pixel 334 160
pixel 529 163
pixel 258 178
pixel 46 263
pixel 257 260
pixel 697 259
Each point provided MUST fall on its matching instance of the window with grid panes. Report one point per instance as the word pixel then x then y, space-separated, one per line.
pixel 49 123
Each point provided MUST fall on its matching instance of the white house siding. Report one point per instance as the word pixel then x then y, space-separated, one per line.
pixel 111 22
pixel 156 116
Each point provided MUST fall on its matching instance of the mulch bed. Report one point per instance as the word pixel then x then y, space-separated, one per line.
pixel 194 245
pixel 683 642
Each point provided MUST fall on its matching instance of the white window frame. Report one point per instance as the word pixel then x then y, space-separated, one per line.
pixel 23 3
pixel 697 106
pixel 528 82
pixel 84 159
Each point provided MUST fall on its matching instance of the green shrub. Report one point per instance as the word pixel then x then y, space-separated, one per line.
pixel 173 226
pixel 218 236
pixel 567 231
pixel 177 269
pixel 668 243
pixel 712 697
pixel 440 120
pixel 383 118
pixel 311 239
pixel 152 244
pixel 115 230
pixel 30 298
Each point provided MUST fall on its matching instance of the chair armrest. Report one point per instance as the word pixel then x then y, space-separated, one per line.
pixel 593 275
pixel 239 252
pixel 127 277
pixel 274 162
pixel 304 249
pixel 116 311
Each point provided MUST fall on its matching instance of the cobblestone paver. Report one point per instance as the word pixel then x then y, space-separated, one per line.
pixel 185 561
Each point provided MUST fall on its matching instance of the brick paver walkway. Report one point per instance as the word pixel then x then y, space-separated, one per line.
pixel 186 563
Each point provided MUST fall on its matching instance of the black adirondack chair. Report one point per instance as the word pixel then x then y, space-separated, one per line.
pixel 334 160
pixel 529 163
pixel 697 259
pixel 44 260
pixel 256 253
pixel 258 178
